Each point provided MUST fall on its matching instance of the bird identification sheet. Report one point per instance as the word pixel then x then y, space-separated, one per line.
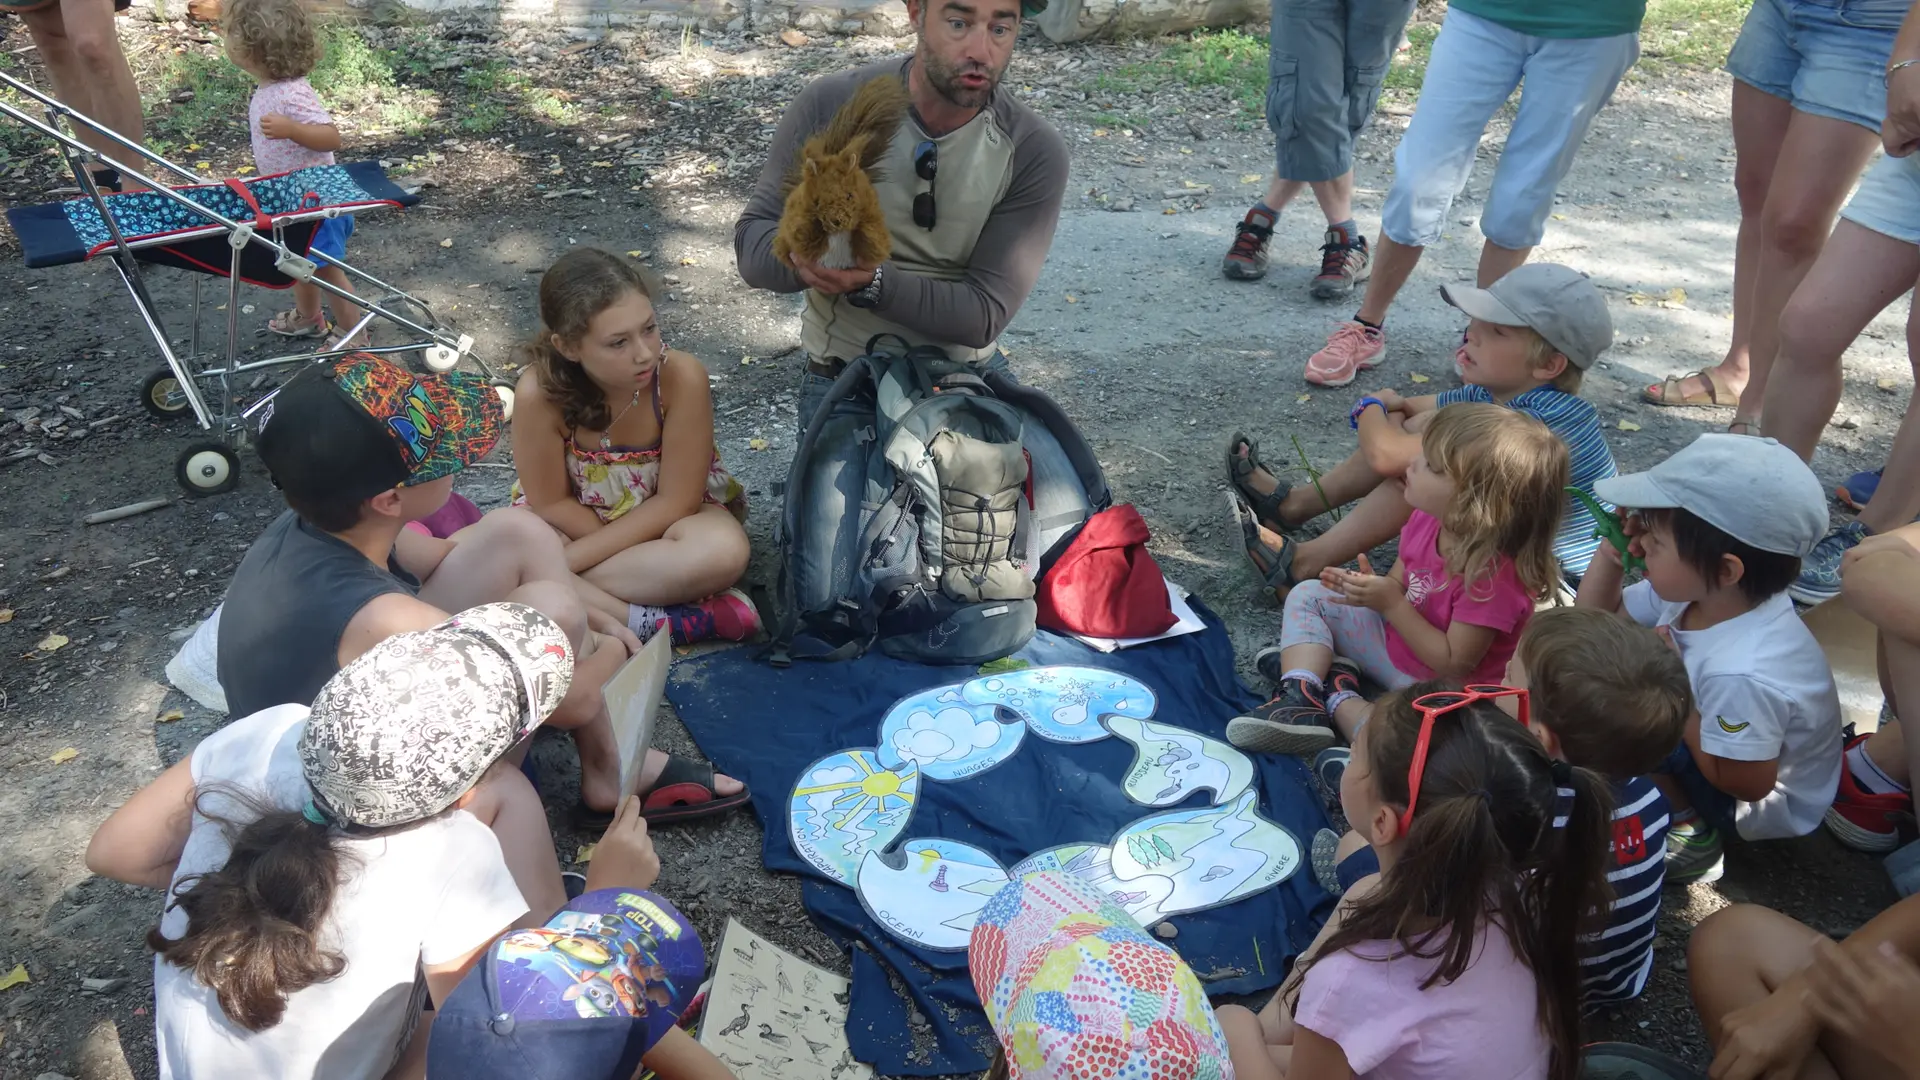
pixel 773 1016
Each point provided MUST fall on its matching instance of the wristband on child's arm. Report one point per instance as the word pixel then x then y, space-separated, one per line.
pixel 1353 418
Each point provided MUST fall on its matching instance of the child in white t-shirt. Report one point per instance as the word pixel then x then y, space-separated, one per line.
pixel 1723 525
pixel 318 860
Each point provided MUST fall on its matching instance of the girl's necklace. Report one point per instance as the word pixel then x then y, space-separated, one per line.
pixel 606 437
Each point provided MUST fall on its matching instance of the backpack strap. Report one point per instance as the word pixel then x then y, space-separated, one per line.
pixel 786 528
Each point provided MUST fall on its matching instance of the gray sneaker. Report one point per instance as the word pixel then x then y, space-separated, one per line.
pixel 1696 856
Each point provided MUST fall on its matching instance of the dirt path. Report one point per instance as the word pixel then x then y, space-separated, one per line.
pixel 1131 328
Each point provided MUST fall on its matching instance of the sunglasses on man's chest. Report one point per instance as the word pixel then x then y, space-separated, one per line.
pixel 926 165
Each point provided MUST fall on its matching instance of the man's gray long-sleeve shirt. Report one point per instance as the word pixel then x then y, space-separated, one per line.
pixel 997 196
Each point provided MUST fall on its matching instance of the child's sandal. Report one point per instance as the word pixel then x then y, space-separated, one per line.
pixel 292 324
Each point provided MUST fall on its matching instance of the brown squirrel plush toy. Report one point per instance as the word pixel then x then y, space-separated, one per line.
pixel 832 214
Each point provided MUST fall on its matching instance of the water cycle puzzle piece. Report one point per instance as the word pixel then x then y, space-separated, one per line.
pixel 929 891
pixel 1142 897
pixel 946 737
pixel 846 806
pixel 1213 855
pixel 1171 763
pixel 1063 704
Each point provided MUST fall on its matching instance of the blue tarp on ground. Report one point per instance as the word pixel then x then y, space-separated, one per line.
pixel 765 725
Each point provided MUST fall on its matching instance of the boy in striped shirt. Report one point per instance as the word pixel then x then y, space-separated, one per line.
pixel 1534 333
pixel 1611 696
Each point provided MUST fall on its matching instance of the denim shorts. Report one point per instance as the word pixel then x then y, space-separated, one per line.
pixel 1827 57
pixel 1714 806
pixel 331 237
pixel 1475 67
pixel 1888 199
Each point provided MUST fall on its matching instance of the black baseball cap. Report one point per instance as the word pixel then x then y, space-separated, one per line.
pixel 368 425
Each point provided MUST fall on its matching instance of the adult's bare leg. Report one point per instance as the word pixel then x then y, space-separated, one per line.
pixel 1759 126
pixel 1739 956
pixel 1857 274
pixel 1393 264
pixel 1896 501
pixel 1819 160
pixel 1497 262
pixel 80 44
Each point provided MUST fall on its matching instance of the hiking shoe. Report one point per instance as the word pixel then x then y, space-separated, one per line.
pixel 1247 259
pixel 1865 821
pixel 1344 674
pixel 1820 571
pixel 1343 263
pixel 1353 348
pixel 1329 766
pixel 1699 855
pixel 1859 489
pixel 1324 857
pixel 1295 721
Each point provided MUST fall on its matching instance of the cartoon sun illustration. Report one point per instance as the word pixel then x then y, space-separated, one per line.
pixel 878 790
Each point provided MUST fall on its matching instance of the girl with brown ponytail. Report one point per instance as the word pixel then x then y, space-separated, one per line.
pixel 1462 961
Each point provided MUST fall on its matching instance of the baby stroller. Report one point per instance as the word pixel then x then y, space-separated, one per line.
pixel 255 231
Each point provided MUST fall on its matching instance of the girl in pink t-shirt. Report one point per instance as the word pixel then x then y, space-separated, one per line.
pixel 1460 959
pixel 274 41
pixel 1476 555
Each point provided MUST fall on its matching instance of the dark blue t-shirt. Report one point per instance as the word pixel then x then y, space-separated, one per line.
pixel 289 603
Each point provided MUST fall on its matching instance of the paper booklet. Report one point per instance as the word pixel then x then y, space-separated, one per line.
pixel 773 1016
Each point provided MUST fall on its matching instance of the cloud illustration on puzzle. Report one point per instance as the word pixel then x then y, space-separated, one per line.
pixel 822 801
pixel 948 735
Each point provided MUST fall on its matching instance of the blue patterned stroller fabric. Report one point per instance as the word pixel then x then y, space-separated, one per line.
pixel 54 234
pixel 149 213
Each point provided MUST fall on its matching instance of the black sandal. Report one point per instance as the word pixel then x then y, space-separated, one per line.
pixel 1266 505
pixel 1274 567
pixel 684 791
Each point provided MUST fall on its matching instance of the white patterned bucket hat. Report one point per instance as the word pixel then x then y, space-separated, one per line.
pixel 407 728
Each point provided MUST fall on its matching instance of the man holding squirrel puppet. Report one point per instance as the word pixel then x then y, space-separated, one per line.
pixel 970 186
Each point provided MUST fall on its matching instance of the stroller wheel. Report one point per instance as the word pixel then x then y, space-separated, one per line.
pixel 442 358
pixel 207 468
pixel 162 395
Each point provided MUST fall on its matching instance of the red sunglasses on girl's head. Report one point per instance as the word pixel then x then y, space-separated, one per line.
pixel 1438 704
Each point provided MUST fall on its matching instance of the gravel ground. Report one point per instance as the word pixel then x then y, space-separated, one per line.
pixel 528 141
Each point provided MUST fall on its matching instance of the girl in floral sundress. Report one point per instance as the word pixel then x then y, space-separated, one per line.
pixel 613 441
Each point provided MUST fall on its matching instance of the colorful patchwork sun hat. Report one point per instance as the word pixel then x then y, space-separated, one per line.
pixel 374 425
pixel 1075 989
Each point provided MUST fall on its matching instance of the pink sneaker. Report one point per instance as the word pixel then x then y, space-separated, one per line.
pixel 1352 349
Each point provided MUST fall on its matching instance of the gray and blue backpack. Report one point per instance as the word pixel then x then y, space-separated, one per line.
pixel 924 499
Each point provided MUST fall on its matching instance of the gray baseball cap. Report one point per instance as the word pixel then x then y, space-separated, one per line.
pixel 1754 490
pixel 411 724
pixel 1557 302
